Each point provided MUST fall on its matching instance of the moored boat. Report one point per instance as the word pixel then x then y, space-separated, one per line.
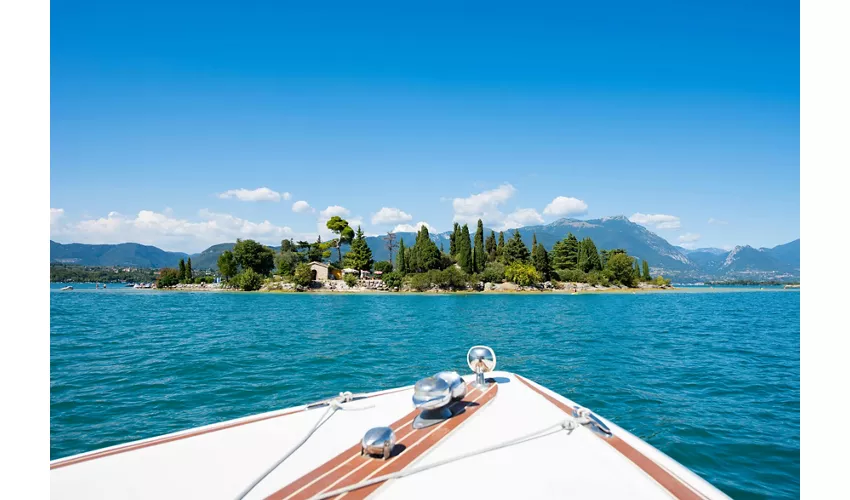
pixel 66 288
pixel 491 433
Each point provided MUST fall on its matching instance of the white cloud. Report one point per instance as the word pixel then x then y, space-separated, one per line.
pixel 484 206
pixel 172 233
pixel 660 221
pixel 688 240
pixel 407 228
pixel 334 210
pixel 56 215
pixel 259 194
pixel 712 220
pixel 301 207
pixel 521 217
pixel 563 205
pixel 388 215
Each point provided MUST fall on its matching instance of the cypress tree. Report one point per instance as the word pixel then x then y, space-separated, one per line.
pixel 540 261
pixel 490 247
pixel 189 268
pixel 425 255
pixel 533 241
pixel 401 261
pixel 500 248
pixel 464 251
pixel 646 276
pixel 479 255
pixel 453 240
pixel 181 270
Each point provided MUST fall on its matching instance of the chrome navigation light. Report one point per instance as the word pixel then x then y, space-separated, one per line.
pixel 378 441
pixel 481 359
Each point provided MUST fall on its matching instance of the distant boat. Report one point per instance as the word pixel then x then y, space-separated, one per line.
pixel 65 288
pixel 129 285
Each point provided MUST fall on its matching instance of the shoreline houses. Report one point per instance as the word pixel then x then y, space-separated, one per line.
pixel 319 271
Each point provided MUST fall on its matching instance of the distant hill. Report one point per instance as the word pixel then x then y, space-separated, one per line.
pixel 208 259
pixel 788 254
pixel 781 262
pixel 607 233
pixel 123 254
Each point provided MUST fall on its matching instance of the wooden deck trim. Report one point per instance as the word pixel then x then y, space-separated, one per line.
pixel 670 482
pixel 168 439
pixel 350 468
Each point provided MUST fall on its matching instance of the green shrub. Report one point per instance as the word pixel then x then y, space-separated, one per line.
pixel 303 275
pixel 494 272
pixel 621 267
pixel 384 266
pixel 597 278
pixel 452 277
pixel 350 280
pixel 522 274
pixel 419 281
pixel 571 275
pixel 168 277
pixel 248 280
pixel 392 280
pixel 660 281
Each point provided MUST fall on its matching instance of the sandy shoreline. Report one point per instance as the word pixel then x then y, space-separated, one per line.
pixel 585 291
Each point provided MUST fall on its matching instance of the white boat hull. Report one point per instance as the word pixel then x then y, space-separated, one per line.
pixel 219 461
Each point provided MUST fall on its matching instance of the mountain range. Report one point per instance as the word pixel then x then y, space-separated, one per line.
pixel 743 262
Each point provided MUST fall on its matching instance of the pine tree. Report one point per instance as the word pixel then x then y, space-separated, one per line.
pixel 571 250
pixel 646 276
pixel 189 274
pixel 490 246
pixel 401 261
pixel 480 257
pixel 359 256
pixel 181 270
pixel 558 257
pixel 540 261
pixel 464 251
pixel 515 250
pixel 588 256
pixel 533 241
pixel 453 240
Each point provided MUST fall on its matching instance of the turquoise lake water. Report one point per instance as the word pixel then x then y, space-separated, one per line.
pixel 712 378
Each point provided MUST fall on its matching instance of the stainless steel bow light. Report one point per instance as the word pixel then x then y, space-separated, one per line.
pixel 481 359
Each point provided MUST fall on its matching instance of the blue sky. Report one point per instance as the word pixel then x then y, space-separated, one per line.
pixel 683 116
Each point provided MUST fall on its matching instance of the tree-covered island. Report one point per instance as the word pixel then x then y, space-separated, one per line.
pixel 472 262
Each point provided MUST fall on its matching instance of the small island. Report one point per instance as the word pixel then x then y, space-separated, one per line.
pixel 472 263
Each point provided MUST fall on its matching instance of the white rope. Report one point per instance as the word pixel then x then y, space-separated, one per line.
pixel 569 425
pixel 334 404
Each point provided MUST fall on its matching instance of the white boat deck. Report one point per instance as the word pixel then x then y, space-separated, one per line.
pixel 220 461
